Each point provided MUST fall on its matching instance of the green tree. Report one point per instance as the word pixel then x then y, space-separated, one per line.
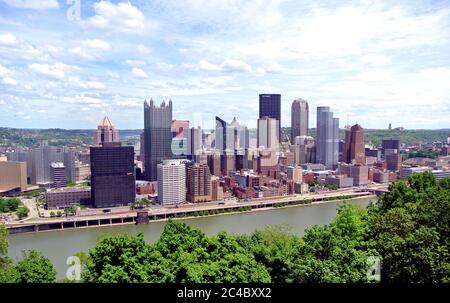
pixel 337 252
pixel 118 259
pixel 7 271
pixel 22 212
pixel 35 268
pixel 409 227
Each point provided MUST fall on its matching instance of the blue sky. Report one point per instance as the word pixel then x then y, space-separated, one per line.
pixel 375 63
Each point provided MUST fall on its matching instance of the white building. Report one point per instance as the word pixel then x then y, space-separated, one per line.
pixel 171 182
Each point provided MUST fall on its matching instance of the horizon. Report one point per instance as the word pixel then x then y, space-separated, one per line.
pixel 375 62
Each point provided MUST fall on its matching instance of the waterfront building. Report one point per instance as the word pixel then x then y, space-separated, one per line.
pixel 299 118
pixel 354 151
pixel 270 106
pixel 112 175
pixel 106 132
pixel 157 136
pixel 327 140
pixel 216 189
pixel 58 174
pixel 407 171
pixel 57 198
pixel 171 176
pixel 13 176
pixel 341 181
pixel 198 179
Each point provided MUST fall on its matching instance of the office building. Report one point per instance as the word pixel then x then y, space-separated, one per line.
pixel 390 146
pixel 198 179
pixel 294 173
pixel 180 131
pixel 214 163
pixel 270 106
pixel 112 175
pixel 354 150
pixel 66 197
pixel 13 176
pixel 393 161
pixel 58 174
pixel 299 118
pixel 171 176
pixel 267 133
pixel 327 140
pixel 194 143
pixel 41 159
pixel 106 132
pixel 157 136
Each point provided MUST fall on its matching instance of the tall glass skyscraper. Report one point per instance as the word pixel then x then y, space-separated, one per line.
pixel 157 137
pixel 270 106
pixel 299 118
pixel 327 140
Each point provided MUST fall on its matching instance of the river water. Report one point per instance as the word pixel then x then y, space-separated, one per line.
pixel 59 245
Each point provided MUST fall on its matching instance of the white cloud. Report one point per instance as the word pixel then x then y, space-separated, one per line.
pixel 91 49
pixel 135 62
pixel 33 4
pixel 129 104
pixel 374 59
pixel 120 17
pixel 143 50
pixel 230 65
pixel 2 102
pixel 54 71
pixel 8 39
pixel 92 85
pixel 9 81
pixel 139 72
pixel 3 71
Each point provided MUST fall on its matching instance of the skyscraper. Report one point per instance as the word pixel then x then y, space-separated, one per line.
pixel 112 175
pixel 354 151
pixel 171 182
pixel 180 132
pixel 40 159
pixel 194 143
pixel 157 136
pixel 58 175
pixel 327 141
pixel 267 133
pixel 105 132
pixel 270 106
pixel 198 183
pixel 299 118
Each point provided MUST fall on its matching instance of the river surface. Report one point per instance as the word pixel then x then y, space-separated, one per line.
pixel 59 245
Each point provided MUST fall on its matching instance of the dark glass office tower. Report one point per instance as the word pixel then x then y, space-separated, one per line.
pixel 157 137
pixel 112 175
pixel 270 106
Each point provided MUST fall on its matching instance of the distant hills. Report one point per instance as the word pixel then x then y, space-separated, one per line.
pixel 58 136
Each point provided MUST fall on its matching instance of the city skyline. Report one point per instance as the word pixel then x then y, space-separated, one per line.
pixel 365 60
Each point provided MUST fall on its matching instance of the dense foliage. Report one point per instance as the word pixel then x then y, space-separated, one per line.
pixel 33 268
pixel 422 153
pixel 410 229
pixel 407 229
pixel 9 204
pixel 375 136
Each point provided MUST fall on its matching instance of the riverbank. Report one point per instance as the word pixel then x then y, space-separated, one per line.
pixel 58 246
pixel 178 213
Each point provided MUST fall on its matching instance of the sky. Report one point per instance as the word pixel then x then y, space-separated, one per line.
pixel 372 62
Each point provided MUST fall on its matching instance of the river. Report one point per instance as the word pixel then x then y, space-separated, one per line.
pixel 59 245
